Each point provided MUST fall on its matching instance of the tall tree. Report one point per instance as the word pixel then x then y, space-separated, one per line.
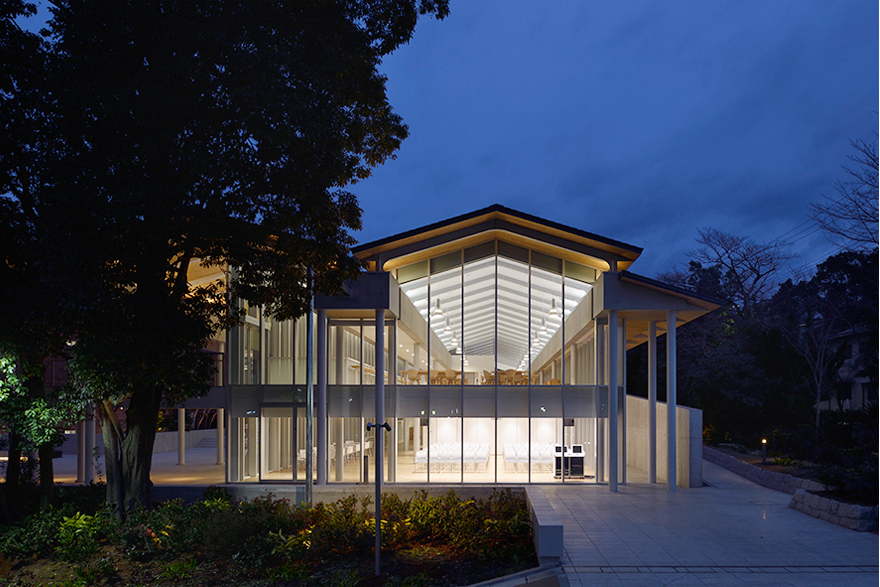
pixel 222 133
pixel 850 218
pixel 37 316
pixel 822 316
pixel 747 267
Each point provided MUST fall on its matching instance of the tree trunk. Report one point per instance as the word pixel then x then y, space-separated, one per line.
pixel 13 466
pixel 111 434
pixel 136 450
pixel 47 475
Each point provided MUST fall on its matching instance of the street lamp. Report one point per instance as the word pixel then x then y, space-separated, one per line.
pixel 763 451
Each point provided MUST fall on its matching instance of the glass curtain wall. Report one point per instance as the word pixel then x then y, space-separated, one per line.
pixel 496 369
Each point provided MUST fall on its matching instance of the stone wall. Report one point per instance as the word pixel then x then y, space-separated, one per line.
pixel 855 517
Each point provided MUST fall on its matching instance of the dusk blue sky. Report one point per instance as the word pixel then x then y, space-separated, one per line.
pixel 639 121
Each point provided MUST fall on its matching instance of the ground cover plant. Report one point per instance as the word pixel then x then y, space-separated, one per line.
pixel 426 541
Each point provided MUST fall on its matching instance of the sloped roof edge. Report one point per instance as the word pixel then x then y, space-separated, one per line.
pixel 498 211
pixel 692 297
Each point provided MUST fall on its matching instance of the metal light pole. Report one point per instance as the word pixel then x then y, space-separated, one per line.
pixel 310 393
pixel 379 440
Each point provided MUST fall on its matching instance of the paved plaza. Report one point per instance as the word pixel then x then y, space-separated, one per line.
pixel 729 532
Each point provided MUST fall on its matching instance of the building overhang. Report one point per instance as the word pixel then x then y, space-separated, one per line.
pixel 497 222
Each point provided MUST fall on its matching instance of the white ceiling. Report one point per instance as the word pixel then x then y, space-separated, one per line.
pixel 524 320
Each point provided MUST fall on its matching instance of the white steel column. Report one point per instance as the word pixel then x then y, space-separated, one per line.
pixel 340 380
pixel 392 380
pixel 181 436
pixel 612 400
pixel 622 448
pixel 80 451
pixel 671 435
pixel 221 454
pixel 379 441
pixel 321 438
pixel 652 402
pixel 89 448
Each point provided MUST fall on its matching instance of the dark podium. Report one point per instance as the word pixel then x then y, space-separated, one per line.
pixel 570 463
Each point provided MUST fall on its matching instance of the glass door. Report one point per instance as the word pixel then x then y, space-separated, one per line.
pixel 279 457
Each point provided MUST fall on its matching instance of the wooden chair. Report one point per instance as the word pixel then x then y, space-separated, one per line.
pixel 488 378
pixel 554 382
pixel 519 378
pixel 413 376
pixel 452 377
pixel 510 375
pixel 501 377
pixel 436 378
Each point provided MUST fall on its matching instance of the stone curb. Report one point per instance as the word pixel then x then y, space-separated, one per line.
pixel 543 575
pixel 854 517
pixel 861 518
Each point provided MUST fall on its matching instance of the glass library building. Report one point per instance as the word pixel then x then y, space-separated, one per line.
pixel 496 342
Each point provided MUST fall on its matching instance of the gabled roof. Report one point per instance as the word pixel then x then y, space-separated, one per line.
pixel 497 222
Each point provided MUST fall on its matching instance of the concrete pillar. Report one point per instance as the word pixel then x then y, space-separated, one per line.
pixel 321 439
pixel 652 402
pixel 671 464
pixel 340 356
pixel 417 354
pixel 181 436
pixel 221 453
pixel 89 448
pixel 340 449
pixel 612 401
pixel 572 379
pixel 417 436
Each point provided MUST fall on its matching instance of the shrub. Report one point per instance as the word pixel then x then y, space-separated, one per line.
pixel 77 537
pixel 36 535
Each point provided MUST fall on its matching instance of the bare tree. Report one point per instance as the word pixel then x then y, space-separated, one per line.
pixel 851 217
pixel 747 267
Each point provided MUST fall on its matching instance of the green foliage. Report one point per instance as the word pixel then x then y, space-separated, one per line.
pixel 271 538
pixel 179 569
pixel 36 535
pixel 77 537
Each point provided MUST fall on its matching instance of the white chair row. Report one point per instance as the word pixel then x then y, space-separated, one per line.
pixel 523 455
pixel 451 456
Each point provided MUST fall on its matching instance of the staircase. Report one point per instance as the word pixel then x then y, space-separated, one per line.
pixel 207 442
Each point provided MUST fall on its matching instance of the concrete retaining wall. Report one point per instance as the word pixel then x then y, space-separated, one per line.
pixel 855 517
pixel 165 441
pixel 778 481
pixel 689 441
pixel 546 526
